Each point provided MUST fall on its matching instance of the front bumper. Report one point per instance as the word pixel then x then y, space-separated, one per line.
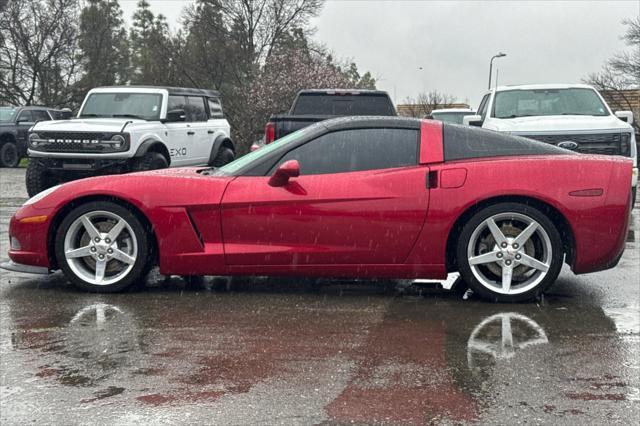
pixel 25 269
pixel 28 240
pixel 88 166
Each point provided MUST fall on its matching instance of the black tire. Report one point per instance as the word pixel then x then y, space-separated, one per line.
pixel 149 161
pixel 556 256
pixel 38 178
pixel 135 276
pixel 224 156
pixel 9 156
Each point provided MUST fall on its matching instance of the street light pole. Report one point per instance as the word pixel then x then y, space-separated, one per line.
pixel 499 55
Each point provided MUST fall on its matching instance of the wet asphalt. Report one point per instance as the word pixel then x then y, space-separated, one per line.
pixel 276 351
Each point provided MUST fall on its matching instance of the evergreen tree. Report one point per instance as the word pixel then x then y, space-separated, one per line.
pixel 104 50
pixel 151 47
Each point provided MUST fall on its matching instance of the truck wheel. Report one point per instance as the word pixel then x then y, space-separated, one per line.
pixel 9 155
pixel 149 161
pixel 224 156
pixel 38 178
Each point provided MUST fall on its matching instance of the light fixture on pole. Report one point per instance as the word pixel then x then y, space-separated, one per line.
pixel 499 55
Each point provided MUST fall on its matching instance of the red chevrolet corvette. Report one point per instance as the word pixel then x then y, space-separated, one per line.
pixel 351 197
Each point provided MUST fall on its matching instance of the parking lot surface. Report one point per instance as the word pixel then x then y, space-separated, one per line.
pixel 274 351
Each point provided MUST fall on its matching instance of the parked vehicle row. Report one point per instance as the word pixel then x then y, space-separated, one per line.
pixel 130 128
pixel 572 116
pixel 450 115
pixel 15 123
pixel 348 197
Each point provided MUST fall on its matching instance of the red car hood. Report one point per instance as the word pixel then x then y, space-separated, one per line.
pixel 156 188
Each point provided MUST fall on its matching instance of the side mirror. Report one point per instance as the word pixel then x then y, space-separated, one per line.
pixel 284 172
pixel 472 120
pixel 626 116
pixel 176 115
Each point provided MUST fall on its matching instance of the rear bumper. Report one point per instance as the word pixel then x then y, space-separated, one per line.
pixel 25 269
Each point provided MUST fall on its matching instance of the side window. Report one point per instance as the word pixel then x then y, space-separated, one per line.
pixel 356 150
pixel 178 102
pixel 215 108
pixel 39 115
pixel 482 109
pixel 25 116
pixel 195 109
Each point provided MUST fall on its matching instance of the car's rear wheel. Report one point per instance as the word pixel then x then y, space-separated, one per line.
pixel 224 156
pixel 102 247
pixel 509 252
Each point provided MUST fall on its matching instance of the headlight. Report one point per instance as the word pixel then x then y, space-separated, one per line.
pixel 39 196
pixel 119 141
pixel 33 139
pixel 625 144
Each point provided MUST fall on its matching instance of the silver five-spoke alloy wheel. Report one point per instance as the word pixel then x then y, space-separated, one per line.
pixel 100 247
pixel 509 253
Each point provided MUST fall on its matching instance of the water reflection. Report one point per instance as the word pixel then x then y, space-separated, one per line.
pixel 500 337
pixel 363 355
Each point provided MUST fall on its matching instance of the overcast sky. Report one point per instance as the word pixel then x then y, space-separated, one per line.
pixel 453 41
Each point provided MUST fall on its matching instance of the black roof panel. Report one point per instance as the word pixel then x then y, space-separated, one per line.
pixel 171 90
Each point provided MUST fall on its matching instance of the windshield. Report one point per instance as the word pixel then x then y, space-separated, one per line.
pixel 7 114
pixel 234 166
pixel 542 102
pixel 451 117
pixel 329 104
pixel 145 106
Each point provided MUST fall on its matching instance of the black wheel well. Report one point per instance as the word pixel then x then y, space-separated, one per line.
pixel 556 217
pixel 60 215
pixel 227 143
pixel 7 137
pixel 160 148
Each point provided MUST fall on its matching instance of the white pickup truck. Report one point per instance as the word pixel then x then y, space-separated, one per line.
pixel 572 116
pixel 130 128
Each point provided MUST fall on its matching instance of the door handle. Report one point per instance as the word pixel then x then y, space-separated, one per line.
pixel 210 132
pixel 191 133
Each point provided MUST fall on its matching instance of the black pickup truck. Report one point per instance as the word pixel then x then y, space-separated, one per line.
pixel 15 123
pixel 311 106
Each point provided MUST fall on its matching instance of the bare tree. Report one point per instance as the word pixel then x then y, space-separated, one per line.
pixel 424 103
pixel 38 54
pixel 260 25
pixel 620 75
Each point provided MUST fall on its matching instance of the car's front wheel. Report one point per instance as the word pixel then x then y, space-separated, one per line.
pixel 102 247
pixel 9 156
pixel 38 178
pixel 509 252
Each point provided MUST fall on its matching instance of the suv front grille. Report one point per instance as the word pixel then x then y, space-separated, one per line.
pixel 594 143
pixel 75 142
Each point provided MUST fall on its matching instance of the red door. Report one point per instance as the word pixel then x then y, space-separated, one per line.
pixel 364 217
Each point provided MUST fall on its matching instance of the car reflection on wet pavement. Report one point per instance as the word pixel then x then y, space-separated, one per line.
pixel 274 351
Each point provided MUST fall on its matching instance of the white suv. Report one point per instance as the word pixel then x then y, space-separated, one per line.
pixel 572 116
pixel 130 128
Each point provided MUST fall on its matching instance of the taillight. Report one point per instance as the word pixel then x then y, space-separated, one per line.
pixel 269 132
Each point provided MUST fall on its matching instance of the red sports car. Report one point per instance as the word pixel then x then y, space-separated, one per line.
pixel 350 197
